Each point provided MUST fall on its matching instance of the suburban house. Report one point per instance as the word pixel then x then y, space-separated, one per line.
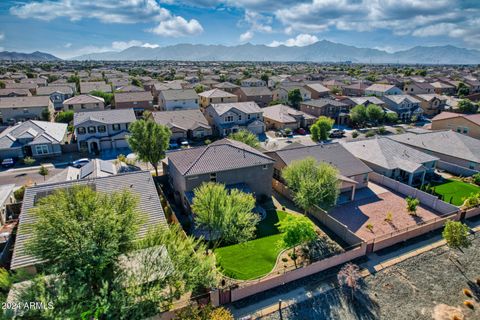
pixel 281 93
pixel 226 118
pixel 394 160
pixel 443 88
pixel 334 109
pixel 4 93
pixel 33 139
pixel 130 88
pixel 226 86
pixel 139 101
pixel 178 99
pixel 102 130
pixel 88 87
pixel 317 90
pixel 184 123
pixel 468 124
pixel 473 84
pixel 380 90
pixel 356 89
pixel 32 87
pixel 415 88
pixel 353 173
pixel 260 95
pixel 58 94
pixel 365 101
pixel 216 96
pixel 225 161
pixel 253 82
pixel 404 105
pixel 281 116
pixel 432 103
pixel 6 198
pixel 139 183
pixel 84 102
pixel 16 109
pixel 449 146
pixel 40 82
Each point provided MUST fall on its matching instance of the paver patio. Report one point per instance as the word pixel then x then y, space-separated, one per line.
pixel 371 206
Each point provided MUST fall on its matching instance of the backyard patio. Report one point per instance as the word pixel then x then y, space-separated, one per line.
pixel 382 210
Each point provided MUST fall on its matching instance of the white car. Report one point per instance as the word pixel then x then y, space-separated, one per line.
pixel 80 163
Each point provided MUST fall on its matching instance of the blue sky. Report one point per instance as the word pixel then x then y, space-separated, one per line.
pixel 69 28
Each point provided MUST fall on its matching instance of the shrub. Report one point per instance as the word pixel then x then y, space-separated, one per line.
pixel 369 226
pixel 476 178
pixel 19 193
pixel 472 200
pixel 288 131
pixel 399 130
pixel 468 304
pixel 207 141
pixel 370 133
pixel 28 161
pixel 221 314
pixel 412 204
pixel 382 130
pixel 389 217
pixel 355 134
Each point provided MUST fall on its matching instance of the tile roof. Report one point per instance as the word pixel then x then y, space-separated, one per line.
pixel 246 107
pixel 362 100
pixel 322 102
pixel 332 153
pixel 83 99
pixel 140 183
pixel 41 91
pixel 87 87
pixel 380 87
pixel 24 102
pixel 318 87
pixel 446 142
pixel 256 91
pixel 179 94
pixel 218 156
pixel 216 93
pixel 133 96
pixel 388 154
pixel 284 114
pixel 105 116
pixel 184 119
pixel 399 98
pixel 38 131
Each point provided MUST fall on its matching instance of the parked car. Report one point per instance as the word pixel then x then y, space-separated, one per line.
pixel 80 162
pixel 8 162
pixel 337 133
pixel 301 131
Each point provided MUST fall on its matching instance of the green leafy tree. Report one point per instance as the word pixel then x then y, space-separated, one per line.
pixel 199 88
pixel 149 141
pixel 294 98
pixel 455 233
pixel 312 184
pixel 467 106
pixel 75 79
pixel 462 90
pixel 374 113
pixel 391 117
pixel 92 243
pixel 246 137
pixel 137 82
pixel 2 85
pixel 225 215
pixel 108 97
pixel 296 230
pixel 64 116
pixel 46 114
pixel 321 128
pixel 264 77
pixel 43 171
pixel 358 115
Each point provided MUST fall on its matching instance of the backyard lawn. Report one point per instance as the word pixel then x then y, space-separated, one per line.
pixel 254 258
pixel 454 191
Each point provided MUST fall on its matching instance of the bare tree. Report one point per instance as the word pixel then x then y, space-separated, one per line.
pixel 349 277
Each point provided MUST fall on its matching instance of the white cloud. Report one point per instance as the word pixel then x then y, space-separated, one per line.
pixel 122 45
pixel 67 45
pixel 247 36
pixel 106 11
pixel 150 45
pixel 177 27
pixel 299 41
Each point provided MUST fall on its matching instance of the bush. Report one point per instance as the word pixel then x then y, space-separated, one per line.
pixel 64 117
pixel 476 178
pixel 473 200
pixel 382 130
pixel 399 130
pixel 370 133
pixel 369 226
pixel 19 193
pixel 355 134
pixel 412 204
pixel 28 161
pixel 207 141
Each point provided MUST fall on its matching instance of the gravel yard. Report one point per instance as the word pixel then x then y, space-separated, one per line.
pixel 428 286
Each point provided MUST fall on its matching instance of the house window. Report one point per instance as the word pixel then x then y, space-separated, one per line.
pixel 82 106
pixel 41 149
pixel 213 177
pixel 116 126
pixel 239 117
pixel 465 130
pixel 70 107
pixel 248 116
pixel 92 129
pixel 365 177
pixel 229 119
pixel 80 130
pixel 102 129
pixel 471 165
pixel 25 110
pixel 264 167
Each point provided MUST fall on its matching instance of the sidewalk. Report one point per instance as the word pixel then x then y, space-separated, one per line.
pixel 374 264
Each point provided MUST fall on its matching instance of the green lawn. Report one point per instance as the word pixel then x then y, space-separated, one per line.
pixel 254 258
pixel 456 191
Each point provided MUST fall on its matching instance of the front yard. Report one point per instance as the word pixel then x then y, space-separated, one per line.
pixel 455 191
pixel 254 258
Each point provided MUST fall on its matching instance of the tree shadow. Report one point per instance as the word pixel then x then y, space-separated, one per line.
pixel 475 288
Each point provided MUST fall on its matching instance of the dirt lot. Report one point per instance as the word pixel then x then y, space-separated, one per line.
pixel 428 286
pixel 372 205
